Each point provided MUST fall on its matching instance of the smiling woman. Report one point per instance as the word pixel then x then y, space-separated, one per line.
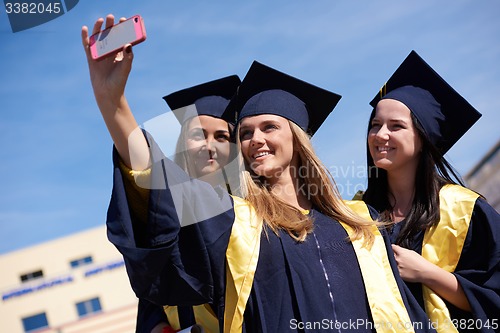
pixel 207 144
pixel 393 138
pixel 204 147
pixel 276 248
pixel 265 146
pixel 446 236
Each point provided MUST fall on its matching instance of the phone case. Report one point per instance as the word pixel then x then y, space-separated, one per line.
pixel 111 40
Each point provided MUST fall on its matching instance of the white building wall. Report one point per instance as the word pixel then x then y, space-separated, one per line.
pixel 62 287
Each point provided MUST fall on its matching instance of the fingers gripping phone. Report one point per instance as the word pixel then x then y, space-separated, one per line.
pixel 111 40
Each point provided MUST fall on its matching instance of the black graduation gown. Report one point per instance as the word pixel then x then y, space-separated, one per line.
pixel 148 316
pixel 310 287
pixel 478 271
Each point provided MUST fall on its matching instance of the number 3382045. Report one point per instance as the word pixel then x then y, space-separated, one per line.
pixel 32 8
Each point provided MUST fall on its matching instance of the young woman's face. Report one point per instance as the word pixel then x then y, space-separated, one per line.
pixel 393 141
pixel 267 145
pixel 208 144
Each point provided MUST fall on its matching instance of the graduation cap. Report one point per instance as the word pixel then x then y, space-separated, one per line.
pixel 210 98
pixel 443 113
pixel 265 90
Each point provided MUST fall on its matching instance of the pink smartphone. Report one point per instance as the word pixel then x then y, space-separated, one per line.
pixel 111 40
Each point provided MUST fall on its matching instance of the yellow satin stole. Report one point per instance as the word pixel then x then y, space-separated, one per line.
pixel 242 256
pixel 203 316
pixel 386 303
pixel 443 244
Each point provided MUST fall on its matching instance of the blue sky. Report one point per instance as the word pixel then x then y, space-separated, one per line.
pixel 56 151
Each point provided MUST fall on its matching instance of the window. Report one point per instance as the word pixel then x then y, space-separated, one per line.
pixel 88 307
pixel 31 276
pixel 80 262
pixel 35 322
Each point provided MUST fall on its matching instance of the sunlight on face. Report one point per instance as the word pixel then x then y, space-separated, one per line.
pixel 267 145
pixel 393 141
pixel 208 144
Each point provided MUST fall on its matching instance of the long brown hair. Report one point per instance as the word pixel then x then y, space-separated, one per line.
pixel 278 214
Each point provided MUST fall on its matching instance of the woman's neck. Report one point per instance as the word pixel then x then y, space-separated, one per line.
pixel 288 189
pixel 214 178
pixel 402 188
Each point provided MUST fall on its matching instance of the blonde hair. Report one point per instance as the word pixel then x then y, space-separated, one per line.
pixel 278 214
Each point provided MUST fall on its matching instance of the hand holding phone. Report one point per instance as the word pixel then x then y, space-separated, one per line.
pixel 111 40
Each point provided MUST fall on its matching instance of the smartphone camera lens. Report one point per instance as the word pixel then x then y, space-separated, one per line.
pixel 136 20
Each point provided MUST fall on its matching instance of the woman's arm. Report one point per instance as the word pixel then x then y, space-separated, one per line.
pixel 109 77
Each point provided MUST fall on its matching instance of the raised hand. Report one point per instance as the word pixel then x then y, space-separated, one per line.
pixel 109 75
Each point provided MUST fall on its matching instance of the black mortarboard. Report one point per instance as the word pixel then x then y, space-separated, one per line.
pixel 210 98
pixel 443 113
pixel 265 90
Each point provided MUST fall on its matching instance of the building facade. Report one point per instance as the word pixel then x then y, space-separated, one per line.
pixel 75 284
pixel 484 177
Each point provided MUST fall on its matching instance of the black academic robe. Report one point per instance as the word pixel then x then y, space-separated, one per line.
pixel 148 316
pixel 308 287
pixel 477 271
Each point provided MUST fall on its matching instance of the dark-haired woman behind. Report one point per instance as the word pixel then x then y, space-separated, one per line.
pixel 446 237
